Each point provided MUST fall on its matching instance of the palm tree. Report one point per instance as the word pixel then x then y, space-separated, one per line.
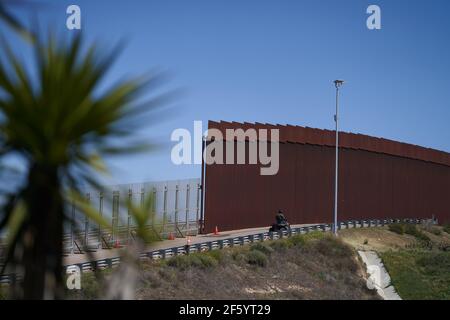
pixel 62 123
pixel 9 19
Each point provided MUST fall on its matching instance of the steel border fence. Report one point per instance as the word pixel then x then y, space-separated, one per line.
pixel 176 207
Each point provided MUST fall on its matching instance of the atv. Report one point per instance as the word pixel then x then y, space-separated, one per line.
pixel 281 223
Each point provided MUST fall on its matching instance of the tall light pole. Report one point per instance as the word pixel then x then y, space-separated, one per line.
pixel 337 84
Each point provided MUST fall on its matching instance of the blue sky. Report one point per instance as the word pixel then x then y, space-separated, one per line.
pixel 274 61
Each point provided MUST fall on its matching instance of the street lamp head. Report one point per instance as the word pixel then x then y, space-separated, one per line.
pixel 338 83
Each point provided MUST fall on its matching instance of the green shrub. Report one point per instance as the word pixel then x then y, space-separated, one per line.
pixel 239 253
pixel 207 261
pixel 412 230
pixel 168 274
pixel 397 228
pixel 264 248
pixel 423 237
pixel 181 262
pixel 297 240
pixel 90 286
pixel 435 263
pixel 419 274
pixel 436 231
pixel 333 247
pixel 314 235
pixel 195 260
pixel 447 228
pixel 202 260
pixel 239 256
pixel 216 254
pixel 280 245
pixel 256 257
pixel 3 292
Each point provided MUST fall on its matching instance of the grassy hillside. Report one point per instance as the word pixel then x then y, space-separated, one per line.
pixel 313 266
pixel 416 257
pixel 419 274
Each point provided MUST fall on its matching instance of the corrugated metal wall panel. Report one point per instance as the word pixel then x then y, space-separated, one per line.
pixel 373 184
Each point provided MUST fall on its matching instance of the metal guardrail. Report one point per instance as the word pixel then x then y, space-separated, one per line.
pixel 223 243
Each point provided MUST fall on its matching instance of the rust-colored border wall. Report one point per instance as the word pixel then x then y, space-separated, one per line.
pixel 371 184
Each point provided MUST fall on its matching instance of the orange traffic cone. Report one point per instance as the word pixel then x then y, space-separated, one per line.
pixel 117 244
pixel 216 231
pixel 171 237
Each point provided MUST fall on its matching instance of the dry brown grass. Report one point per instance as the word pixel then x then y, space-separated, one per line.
pixel 321 269
pixel 381 239
pixel 377 239
pixel 316 266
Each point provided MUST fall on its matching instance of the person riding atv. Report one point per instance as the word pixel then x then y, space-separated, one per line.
pixel 281 223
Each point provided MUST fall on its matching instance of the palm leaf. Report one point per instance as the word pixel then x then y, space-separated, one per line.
pixel 64 125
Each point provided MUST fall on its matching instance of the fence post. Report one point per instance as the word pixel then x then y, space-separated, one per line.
pixel 86 222
pixel 164 209
pixel 100 210
pixel 130 199
pixel 115 214
pixel 153 207
pixel 72 229
pixel 188 194
pixel 142 197
pixel 197 207
pixel 176 208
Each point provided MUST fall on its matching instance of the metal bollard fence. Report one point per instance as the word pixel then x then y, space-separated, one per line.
pixel 175 209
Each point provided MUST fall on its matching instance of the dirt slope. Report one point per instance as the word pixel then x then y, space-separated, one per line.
pixel 316 266
pixel 321 269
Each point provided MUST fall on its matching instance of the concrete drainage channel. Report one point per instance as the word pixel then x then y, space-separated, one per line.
pixel 223 243
pixel 379 278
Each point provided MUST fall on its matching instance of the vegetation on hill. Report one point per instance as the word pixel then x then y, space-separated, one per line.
pixel 419 274
pixel 312 266
pixel 416 257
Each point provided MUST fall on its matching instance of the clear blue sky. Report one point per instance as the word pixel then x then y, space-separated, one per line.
pixel 274 61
